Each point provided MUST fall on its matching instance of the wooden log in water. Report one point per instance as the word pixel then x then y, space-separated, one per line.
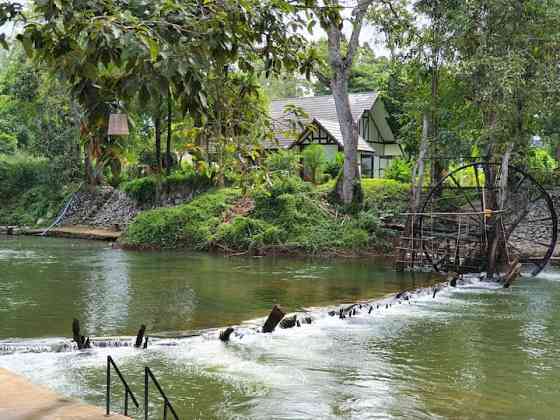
pixel 225 334
pixel 140 336
pixel 513 272
pixel 81 341
pixel 273 319
pixel 350 308
pixel 288 322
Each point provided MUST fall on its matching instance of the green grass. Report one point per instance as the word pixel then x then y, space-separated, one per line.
pixel 289 215
pixel 189 225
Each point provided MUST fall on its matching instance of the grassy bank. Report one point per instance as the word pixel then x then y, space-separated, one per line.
pixel 288 216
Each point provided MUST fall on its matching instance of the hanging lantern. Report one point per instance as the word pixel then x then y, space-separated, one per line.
pixel 118 125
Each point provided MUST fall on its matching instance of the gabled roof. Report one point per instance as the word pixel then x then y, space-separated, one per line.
pixel 333 128
pixel 317 107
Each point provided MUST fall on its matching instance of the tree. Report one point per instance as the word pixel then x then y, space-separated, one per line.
pixel 340 60
pixel 116 55
pixel 314 161
pixel 508 53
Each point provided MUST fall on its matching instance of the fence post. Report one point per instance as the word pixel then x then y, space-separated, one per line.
pixel 108 399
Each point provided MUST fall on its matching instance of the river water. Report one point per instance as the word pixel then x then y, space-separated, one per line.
pixel 476 351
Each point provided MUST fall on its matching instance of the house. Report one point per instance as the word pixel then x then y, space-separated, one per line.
pixel 376 145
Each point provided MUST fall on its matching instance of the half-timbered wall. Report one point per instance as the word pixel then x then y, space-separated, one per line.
pixel 320 136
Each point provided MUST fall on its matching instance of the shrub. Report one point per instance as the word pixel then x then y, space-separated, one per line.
pixel 191 225
pixel 314 161
pixel 541 165
pixel 399 170
pixel 285 161
pixel 279 200
pixel 248 233
pixel 20 173
pixel 8 144
pixel 289 213
pixel 333 167
pixel 143 190
pixel 385 196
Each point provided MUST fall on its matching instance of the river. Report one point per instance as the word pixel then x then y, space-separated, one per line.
pixel 472 352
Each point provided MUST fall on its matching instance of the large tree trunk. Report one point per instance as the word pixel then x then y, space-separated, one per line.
pixel 350 174
pixel 341 65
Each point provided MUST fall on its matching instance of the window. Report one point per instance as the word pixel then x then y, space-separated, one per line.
pixel 363 126
pixel 366 163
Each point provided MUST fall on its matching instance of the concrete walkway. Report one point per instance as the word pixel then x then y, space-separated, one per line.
pixel 22 400
pixel 79 232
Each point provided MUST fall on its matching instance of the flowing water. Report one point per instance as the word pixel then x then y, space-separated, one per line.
pixel 476 351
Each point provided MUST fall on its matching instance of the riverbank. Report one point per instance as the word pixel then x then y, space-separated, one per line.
pixel 290 217
pixel 21 399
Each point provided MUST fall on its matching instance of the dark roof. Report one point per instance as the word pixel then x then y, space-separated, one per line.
pixel 317 107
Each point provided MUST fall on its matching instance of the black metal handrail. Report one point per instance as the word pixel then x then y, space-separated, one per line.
pixel 148 374
pixel 127 390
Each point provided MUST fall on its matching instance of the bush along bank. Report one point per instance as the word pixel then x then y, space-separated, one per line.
pixel 28 195
pixel 287 216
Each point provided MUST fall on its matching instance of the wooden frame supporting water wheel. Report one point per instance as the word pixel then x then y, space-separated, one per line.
pixel 481 218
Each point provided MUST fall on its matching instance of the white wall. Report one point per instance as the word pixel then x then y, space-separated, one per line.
pixel 392 150
pixel 330 151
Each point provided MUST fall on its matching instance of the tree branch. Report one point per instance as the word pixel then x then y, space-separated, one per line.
pixel 322 78
pixel 391 8
pixel 358 14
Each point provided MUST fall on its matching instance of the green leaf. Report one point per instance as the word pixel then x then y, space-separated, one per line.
pixel 27 45
pixel 152 46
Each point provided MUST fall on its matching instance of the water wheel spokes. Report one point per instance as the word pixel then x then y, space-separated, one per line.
pixel 467 214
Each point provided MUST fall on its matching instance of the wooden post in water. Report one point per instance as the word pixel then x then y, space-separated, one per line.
pixel 276 315
pixel 80 340
pixel 140 336
pixel 224 335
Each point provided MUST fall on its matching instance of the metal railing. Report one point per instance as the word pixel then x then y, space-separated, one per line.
pixel 127 390
pixel 147 375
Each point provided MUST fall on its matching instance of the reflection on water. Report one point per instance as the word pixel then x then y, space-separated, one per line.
pixel 473 352
pixel 107 291
pixel 112 291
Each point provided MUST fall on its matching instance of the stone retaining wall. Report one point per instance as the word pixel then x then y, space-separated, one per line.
pixel 108 206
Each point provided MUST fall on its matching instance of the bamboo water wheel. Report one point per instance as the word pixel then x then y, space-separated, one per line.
pixel 467 218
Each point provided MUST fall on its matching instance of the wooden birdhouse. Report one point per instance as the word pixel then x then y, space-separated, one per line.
pixel 118 125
